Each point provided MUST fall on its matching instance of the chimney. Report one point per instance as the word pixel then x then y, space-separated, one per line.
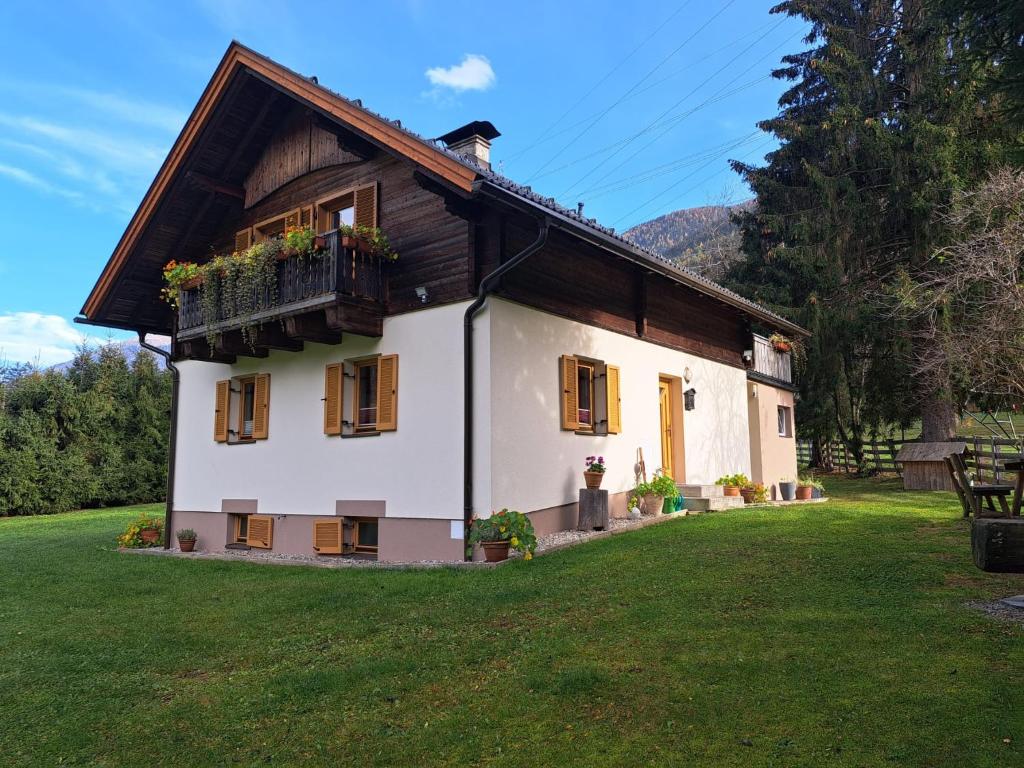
pixel 473 141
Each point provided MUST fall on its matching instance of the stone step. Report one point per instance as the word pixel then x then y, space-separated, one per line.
pixel 713 504
pixel 701 491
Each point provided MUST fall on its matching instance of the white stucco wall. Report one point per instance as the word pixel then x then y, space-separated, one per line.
pixel 536 465
pixel 416 470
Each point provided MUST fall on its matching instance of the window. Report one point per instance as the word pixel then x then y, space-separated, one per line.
pixel 343 217
pixel 365 535
pixel 374 393
pixel 241 411
pixel 247 395
pixel 590 401
pixel 785 422
pixel 348 207
pixel 241 529
pixel 366 396
pixel 585 399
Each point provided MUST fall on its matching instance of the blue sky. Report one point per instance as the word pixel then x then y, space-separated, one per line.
pixel 634 109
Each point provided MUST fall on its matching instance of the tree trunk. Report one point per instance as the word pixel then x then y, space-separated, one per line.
pixel 938 420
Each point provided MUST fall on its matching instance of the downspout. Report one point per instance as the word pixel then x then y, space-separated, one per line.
pixel 487 285
pixel 172 448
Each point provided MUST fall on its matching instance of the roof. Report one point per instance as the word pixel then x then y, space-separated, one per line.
pixel 929 451
pixel 455 169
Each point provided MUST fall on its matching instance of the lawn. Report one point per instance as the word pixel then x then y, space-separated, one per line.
pixel 825 635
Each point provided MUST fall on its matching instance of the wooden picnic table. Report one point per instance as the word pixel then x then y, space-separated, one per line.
pixel 1016 465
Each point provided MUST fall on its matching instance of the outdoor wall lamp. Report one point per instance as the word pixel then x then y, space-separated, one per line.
pixel 687 374
pixel 422 295
pixel 688 397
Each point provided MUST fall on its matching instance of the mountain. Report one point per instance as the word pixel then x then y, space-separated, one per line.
pixel 703 239
pixel 129 348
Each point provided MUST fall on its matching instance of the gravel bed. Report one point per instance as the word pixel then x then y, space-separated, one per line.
pixel 999 610
pixel 562 539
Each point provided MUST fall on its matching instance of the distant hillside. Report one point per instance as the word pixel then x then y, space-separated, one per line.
pixel 703 239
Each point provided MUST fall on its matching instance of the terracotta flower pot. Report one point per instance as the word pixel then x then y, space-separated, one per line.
pixel 730 490
pixel 495 551
pixel 186 545
pixel 150 535
pixel 593 479
pixel 320 243
pixel 803 492
pixel 192 282
pixel 782 346
pixel 748 495
pixel 653 504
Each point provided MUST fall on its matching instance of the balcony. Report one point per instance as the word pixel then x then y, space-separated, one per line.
pixel 769 363
pixel 317 299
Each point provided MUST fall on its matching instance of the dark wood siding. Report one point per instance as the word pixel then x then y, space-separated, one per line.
pixel 433 245
pixel 585 283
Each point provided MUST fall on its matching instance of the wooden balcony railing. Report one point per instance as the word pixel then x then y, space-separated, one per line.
pixel 338 272
pixel 770 362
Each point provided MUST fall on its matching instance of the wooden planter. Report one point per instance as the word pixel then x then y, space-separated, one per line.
pixel 803 492
pixel 730 490
pixel 186 545
pixel 782 346
pixel 192 282
pixel 593 479
pixel 495 551
pixel 149 536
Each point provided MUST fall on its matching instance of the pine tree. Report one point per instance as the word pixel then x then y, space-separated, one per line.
pixel 885 118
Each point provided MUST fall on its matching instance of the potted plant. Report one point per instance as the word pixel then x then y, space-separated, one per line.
pixel 186 539
pixel 804 488
pixel 594 473
pixel 817 489
pixel 662 488
pixel 144 531
pixel 747 492
pixel 787 489
pixel 780 343
pixel 731 484
pixel 502 531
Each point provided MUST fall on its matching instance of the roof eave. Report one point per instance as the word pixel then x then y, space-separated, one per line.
pixel 636 255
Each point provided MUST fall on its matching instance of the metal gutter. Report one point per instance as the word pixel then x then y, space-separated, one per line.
pixel 487 286
pixel 172 448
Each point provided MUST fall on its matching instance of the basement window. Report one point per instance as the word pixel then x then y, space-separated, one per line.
pixel 240 529
pixel 365 536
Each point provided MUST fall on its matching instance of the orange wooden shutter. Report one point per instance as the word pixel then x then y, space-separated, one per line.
pixel 306 217
pixel 327 537
pixel 387 393
pixel 570 382
pixel 261 407
pixel 365 214
pixel 221 406
pixel 243 239
pixel 261 531
pixel 334 379
pixel 291 220
pixel 613 399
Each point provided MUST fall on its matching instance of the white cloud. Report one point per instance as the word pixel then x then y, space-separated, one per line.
pixel 31 180
pixel 130 110
pixel 474 73
pixel 32 337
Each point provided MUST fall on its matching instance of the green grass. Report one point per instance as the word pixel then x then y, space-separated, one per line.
pixel 825 635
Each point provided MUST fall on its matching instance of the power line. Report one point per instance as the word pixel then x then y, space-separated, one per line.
pixel 633 87
pixel 672 120
pixel 672 186
pixel 645 89
pixel 610 72
pixel 668 168
pixel 651 126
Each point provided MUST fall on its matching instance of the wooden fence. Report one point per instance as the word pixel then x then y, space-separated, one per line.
pixel 984 456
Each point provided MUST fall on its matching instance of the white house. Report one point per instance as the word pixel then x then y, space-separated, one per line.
pixel 370 408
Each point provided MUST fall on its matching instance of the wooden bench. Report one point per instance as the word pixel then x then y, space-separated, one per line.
pixel 972 496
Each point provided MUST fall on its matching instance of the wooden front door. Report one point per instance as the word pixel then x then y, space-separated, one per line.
pixel 665 406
